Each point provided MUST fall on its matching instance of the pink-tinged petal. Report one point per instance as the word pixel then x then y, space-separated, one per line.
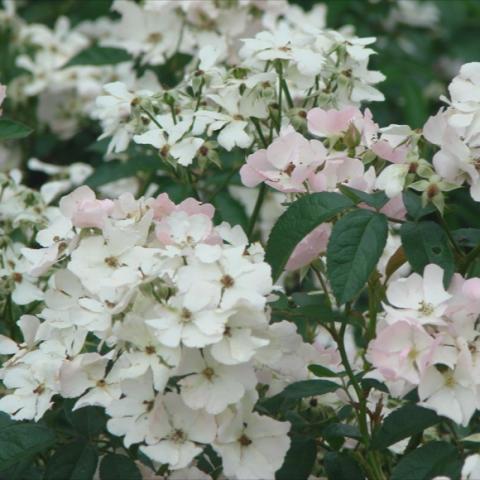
pixel 393 154
pixel 250 177
pixel 330 122
pixel 162 206
pixel 434 129
pixel 84 209
pixel 194 207
pixel 310 247
pixel 395 208
pixel 251 173
pixel 471 288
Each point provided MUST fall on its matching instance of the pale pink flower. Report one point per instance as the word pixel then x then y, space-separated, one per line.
pixel 401 351
pixel 285 164
pixel 310 247
pixel 326 123
pixel 84 210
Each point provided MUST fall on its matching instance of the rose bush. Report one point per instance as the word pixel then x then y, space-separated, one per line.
pixel 216 263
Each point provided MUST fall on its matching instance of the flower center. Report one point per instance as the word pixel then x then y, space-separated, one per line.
pixel 186 315
pixel 208 373
pixel 426 308
pixel 112 262
pixel 244 441
pixel 149 350
pixel 227 281
pixel 178 436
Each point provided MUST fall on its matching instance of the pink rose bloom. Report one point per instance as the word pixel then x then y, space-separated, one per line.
pixel 84 210
pixel 402 351
pixel 285 164
pixel 163 206
pixel 310 247
pixel 184 224
pixel 471 289
pixel 326 123
pixel 3 94
pixel 336 170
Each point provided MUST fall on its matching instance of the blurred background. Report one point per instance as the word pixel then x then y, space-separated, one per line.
pixel 420 43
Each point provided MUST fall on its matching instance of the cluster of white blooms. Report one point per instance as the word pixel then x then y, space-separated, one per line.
pixel 456 130
pixel 234 107
pixel 161 318
pixel 428 340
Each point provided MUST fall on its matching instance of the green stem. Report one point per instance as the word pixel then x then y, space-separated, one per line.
pixel 256 123
pixel 445 227
pixel 256 210
pixel 470 258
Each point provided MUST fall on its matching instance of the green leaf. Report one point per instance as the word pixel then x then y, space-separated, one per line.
pixel 413 204
pixel 403 423
pixel 467 237
pixel 96 55
pixel 376 200
pixel 89 421
pixel 430 460
pixel 118 467
pixel 340 466
pixel 301 217
pixel 355 246
pixel 308 388
pixel 74 461
pixel 20 440
pixel 321 371
pixel 424 243
pixel 11 130
pixel 299 461
pixel 341 430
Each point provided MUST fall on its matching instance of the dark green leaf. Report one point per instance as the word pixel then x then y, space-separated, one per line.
pixel 11 130
pixel 467 237
pixel 403 423
pixel 341 430
pixel 299 461
pixel 355 246
pixel 89 421
pixel 413 204
pixel 301 217
pixel 424 243
pixel 430 460
pixel 340 466
pixel 118 467
pixel 96 55
pixel 309 388
pixel 74 461
pixel 376 200
pixel 20 440
pixel 321 371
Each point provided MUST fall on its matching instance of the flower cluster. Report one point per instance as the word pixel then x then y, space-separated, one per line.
pixel 456 130
pixel 175 309
pixel 428 340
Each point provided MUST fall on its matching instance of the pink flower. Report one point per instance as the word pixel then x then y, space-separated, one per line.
pixel 325 123
pixel 285 164
pixel 84 210
pixel 402 351
pixel 163 206
pixel 310 247
pixel 471 289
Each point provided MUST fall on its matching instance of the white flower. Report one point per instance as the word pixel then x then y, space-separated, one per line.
pixel 88 372
pixel 171 139
pixel 181 322
pixel 213 386
pixel 177 443
pixel 451 392
pixel 418 299
pixel 138 413
pixel 252 446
